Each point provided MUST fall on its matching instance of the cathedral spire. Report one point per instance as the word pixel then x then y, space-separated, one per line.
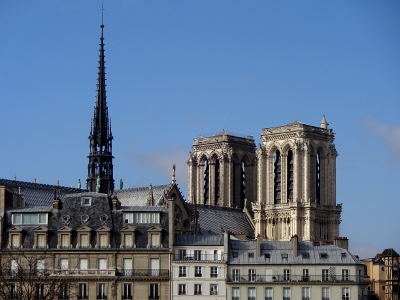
pixel 100 167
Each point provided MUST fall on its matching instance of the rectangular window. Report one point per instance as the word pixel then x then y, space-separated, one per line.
pixel 181 289
pixel 39 290
pixel 103 240
pixel 286 274
pixel 235 294
pixel 15 241
pixel 40 267
pixel 345 293
pixel 14 267
pixel 141 218
pixel 284 256
pixel 127 263
pixel 41 241
pixel 214 272
pixel 86 201
pixel 154 266
pixel 305 255
pixel 213 289
pixel 269 294
pixel 181 254
pixel 216 255
pixel 127 291
pixel 252 274
pixel 153 291
pixel 305 293
pixel 197 272
pixel 182 271
pixel 84 240
pixel 197 289
pixel 251 294
pixel 102 263
pixel 65 241
pixel 29 218
pixel 155 240
pixel 128 241
pixel 63 291
pixel 286 293
pixel 197 255
pixel 325 293
pixel 235 274
pixel 305 275
pixel 13 291
pixel 101 291
pixel 345 274
pixel 83 265
pixel 82 291
pixel 325 274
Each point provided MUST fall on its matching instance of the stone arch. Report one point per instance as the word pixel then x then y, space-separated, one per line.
pixel 214 157
pixel 202 158
pixel 286 147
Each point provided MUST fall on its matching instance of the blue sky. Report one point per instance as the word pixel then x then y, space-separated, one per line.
pixel 180 68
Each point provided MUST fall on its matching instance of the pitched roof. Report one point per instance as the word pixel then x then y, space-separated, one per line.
pixel 215 220
pixel 199 240
pixel 138 196
pixel 37 194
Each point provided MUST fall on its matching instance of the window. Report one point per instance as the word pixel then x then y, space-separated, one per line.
pixel 14 266
pixel 39 290
pixel 197 255
pixel 305 275
pixel 63 291
pixel 251 254
pixel 286 274
pixel 197 289
pixel 316 243
pixel 213 289
pixel 277 177
pixel 84 240
pixel 155 239
pixel 41 241
pixel 235 274
pixel 29 219
pixel 343 254
pixel 127 264
pixel 267 255
pixel 181 254
pixel 103 240
pixel 251 294
pixel 305 292
pixel 101 291
pixel 323 255
pixel 284 256
pixel 148 218
pixel 154 266
pixel 153 291
pixel 126 291
pixel 252 274
pixel 214 272
pixel 40 267
pixel 82 291
pixel 235 294
pixel 325 293
pixel 345 274
pixel 15 241
pixel 234 254
pixel 86 201
pixel 216 254
pixel 345 293
pixel 286 293
pixel 83 265
pixel 305 255
pixel 102 265
pixel 128 237
pixel 182 271
pixel 269 294
pixel 325 274
pixel 181 289
pixel 13 291
pixel 64 240
pixel 197 272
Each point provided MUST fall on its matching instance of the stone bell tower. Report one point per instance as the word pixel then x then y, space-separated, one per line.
pixel 297 183
pixel 222 170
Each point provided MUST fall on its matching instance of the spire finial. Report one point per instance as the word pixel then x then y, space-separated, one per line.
pixel 102 15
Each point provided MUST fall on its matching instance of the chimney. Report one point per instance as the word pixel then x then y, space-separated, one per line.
pixel 341 242
pixel 115 203
pixel 294 242
pixel 226 244
pixel 258 250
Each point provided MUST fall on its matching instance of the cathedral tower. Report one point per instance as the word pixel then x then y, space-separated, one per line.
pixel 297 183
pixel 222 170
pixel 100 167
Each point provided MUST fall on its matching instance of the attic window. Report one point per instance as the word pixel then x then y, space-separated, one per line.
pixel 305 255
pixel 251 254
pixel 267 255
pixel 235 254
pixel 323 255
pixel 148 218
pixel 316 244
pixel 343 254
pixel 86 201
pixel 29 219
pixel 284 256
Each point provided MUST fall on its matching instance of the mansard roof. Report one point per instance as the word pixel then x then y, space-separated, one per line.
pixel 138 196
pixel 214 220
pixel 199 240
pixel 239 253
pixel 37 194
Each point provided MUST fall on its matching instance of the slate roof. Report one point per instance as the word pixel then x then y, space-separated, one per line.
pixel 389 252
pixel 214 220
pixel 199 240
pixel 277 248
pixel 138 196
pixel 37 194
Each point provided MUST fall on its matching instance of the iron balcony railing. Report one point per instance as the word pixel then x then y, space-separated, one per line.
pixel 144 272
pixel 198 257
pixel 297 278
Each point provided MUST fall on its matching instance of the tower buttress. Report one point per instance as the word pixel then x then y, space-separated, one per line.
pixel 100 168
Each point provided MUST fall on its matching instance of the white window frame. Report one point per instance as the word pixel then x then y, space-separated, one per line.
pixel 213 289
pixel 269 293
pixel 198 271
pixel 198 290
pixel 182 289
pixel 286 274
pixel 345 274
pixel 83 200
pixel 182 271
pixel 39 216
pixel 325 293
pixel 235 275
pixel 214 272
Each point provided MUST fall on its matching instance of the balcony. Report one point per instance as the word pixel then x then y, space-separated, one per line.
pixel 199 257
pixel 144 273
pixel 87 272
pixel 313 279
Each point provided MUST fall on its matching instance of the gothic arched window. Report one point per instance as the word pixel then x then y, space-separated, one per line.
pixel 217 181
pixel 318 178
pixel 277 177
pixel 290 175
pixel 206 181
pixel 242 182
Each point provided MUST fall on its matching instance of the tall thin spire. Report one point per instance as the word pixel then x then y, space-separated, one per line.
pixel 100 167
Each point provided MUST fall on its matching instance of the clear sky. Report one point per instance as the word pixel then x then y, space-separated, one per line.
pixel 180 68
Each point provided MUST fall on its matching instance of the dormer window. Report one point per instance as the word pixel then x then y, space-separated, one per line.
pixel 343 254
pixel 103 237
pixel 154 237
pixel 84 237
pixel 29 218
pixel 40 235
pixel 284 256
pixel 305 255
pixel 86 201
pixel 128 237
pixel 251 254
pixel 15 238
pixel 142 217
pixel 267 255
pixel 64 237
pixel 323 255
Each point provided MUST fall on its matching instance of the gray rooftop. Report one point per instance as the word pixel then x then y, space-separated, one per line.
pixel 138 196
pixel 199 240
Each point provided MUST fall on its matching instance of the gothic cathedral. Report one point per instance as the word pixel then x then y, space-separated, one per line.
pixel 288 185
